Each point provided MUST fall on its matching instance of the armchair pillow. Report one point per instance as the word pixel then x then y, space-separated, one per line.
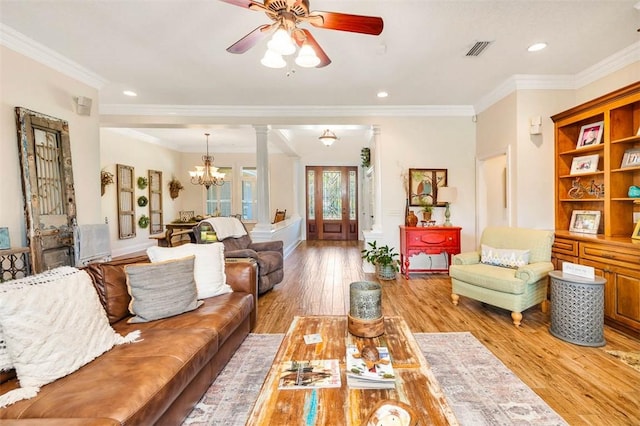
pixel 508 258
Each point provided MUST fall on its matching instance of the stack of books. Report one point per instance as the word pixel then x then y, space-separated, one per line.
pixel 380 375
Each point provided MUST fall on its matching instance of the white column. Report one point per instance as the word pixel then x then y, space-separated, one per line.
pixel 262 170
pixel 375 234
pixel 377 169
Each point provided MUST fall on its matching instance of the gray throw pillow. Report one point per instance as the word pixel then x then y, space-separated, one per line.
pixel 160 290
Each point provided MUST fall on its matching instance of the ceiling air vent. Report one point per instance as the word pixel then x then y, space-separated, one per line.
pixel 478 48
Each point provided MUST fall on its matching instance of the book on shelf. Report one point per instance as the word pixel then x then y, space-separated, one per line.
pixel 376 375
pixel 324 373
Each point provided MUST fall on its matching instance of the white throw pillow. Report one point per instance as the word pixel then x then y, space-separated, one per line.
pixel 53 324
pixel 508 258
pixel 162 289
pixel 209 266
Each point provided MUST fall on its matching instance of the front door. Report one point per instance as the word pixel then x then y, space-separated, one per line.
pixel 49 195
pixel 332 207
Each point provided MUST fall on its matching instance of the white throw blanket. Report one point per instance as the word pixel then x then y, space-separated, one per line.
pixel 226 227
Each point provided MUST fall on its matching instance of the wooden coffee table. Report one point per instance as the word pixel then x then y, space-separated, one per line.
pixel 415 382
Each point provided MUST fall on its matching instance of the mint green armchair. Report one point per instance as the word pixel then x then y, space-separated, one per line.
pixel 509 271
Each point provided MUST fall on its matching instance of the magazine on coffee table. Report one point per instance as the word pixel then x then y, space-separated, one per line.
pixel 324 373
pixel 375 375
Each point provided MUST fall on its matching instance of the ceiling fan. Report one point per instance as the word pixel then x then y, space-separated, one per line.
pixel 287 14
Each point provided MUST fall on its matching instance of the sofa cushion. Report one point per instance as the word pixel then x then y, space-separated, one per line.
pixel 161 289
pixel 110 282
pixel 509 258
pixel 488 276
pixel 53 324
pixel 209 265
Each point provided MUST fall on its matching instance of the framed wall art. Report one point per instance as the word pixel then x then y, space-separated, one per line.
pixel 590 134
pixel 585 221
pixel 424 184
pixel 585 164
pixel 631 158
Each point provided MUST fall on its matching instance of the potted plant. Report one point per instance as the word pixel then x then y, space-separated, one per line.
pixel 106 178
pixel 174 188
pixel 384 258
pixel 426 210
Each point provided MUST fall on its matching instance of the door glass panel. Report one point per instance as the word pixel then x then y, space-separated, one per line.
pixel 352 195
pixel 311 193
pixel 50 187
pixel 331 195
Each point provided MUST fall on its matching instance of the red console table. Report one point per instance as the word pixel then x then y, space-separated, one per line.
pixel 427 240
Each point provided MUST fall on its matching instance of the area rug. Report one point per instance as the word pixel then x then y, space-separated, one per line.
pixel 632 359
pixel 480 389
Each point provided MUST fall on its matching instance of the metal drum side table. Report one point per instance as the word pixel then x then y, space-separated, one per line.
pixel 577 309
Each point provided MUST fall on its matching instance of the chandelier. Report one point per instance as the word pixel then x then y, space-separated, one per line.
pixel 328 137
pixel 207 175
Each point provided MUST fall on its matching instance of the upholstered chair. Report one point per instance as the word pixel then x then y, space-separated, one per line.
pixel 510 270
pixel 268 254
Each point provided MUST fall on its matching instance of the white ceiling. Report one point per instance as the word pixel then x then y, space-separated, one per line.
pixel 172 53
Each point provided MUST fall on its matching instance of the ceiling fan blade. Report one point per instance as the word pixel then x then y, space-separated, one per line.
pixel 250 40
pixel 324 59
pixel 247 4
pixel 372 25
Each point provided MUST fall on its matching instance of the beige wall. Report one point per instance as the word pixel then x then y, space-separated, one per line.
pixel 29 84
pixel 116 148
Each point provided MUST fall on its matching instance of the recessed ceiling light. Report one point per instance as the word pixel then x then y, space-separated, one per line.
pixel 382 94
pixel 130 93
pixel 537 46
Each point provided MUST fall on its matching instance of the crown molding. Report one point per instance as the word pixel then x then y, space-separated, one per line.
pixel 525 82
pixel 597 71
pixel 615 62
pixel 286 111
pixel 22 44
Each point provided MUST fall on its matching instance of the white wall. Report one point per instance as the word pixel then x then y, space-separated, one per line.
pixel 29 84
pixel 116 148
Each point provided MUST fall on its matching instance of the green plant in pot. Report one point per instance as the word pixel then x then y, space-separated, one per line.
pixel 426 210
pixel 384 258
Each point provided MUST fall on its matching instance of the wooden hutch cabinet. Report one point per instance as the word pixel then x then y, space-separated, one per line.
pixel 612 252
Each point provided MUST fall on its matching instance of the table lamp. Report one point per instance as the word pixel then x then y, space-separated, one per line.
pixel 447 195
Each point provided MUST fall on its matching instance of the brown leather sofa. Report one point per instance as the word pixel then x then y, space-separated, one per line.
pixel 154 381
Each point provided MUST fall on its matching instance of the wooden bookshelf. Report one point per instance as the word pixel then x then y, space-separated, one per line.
pixel 612 251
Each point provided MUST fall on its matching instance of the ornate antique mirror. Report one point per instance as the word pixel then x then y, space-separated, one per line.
pixel 47 182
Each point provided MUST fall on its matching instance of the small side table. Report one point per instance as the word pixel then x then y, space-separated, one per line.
pixel 577 309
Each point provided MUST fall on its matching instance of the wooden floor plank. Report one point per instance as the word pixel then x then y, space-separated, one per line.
pixel 586 386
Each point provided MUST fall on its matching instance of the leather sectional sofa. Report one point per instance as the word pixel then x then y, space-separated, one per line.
pixel 157 380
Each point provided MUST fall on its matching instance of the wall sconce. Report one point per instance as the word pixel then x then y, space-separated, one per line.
pixel 83 105
pixel 535 125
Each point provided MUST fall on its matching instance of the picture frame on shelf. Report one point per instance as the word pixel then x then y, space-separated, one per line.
pixel 584 164
pixel 590 134
pixel 585 221
pixel 636 232
pixel 424 184
pixel 631 158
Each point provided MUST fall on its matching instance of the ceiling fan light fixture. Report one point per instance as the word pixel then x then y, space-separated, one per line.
pixel 307 57
pixel 273 59
pixel 328 137
pixel 281 43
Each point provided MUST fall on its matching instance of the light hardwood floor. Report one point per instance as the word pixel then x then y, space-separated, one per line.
pixel 586 386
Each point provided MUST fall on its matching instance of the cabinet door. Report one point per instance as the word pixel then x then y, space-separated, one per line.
pixel 627 292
